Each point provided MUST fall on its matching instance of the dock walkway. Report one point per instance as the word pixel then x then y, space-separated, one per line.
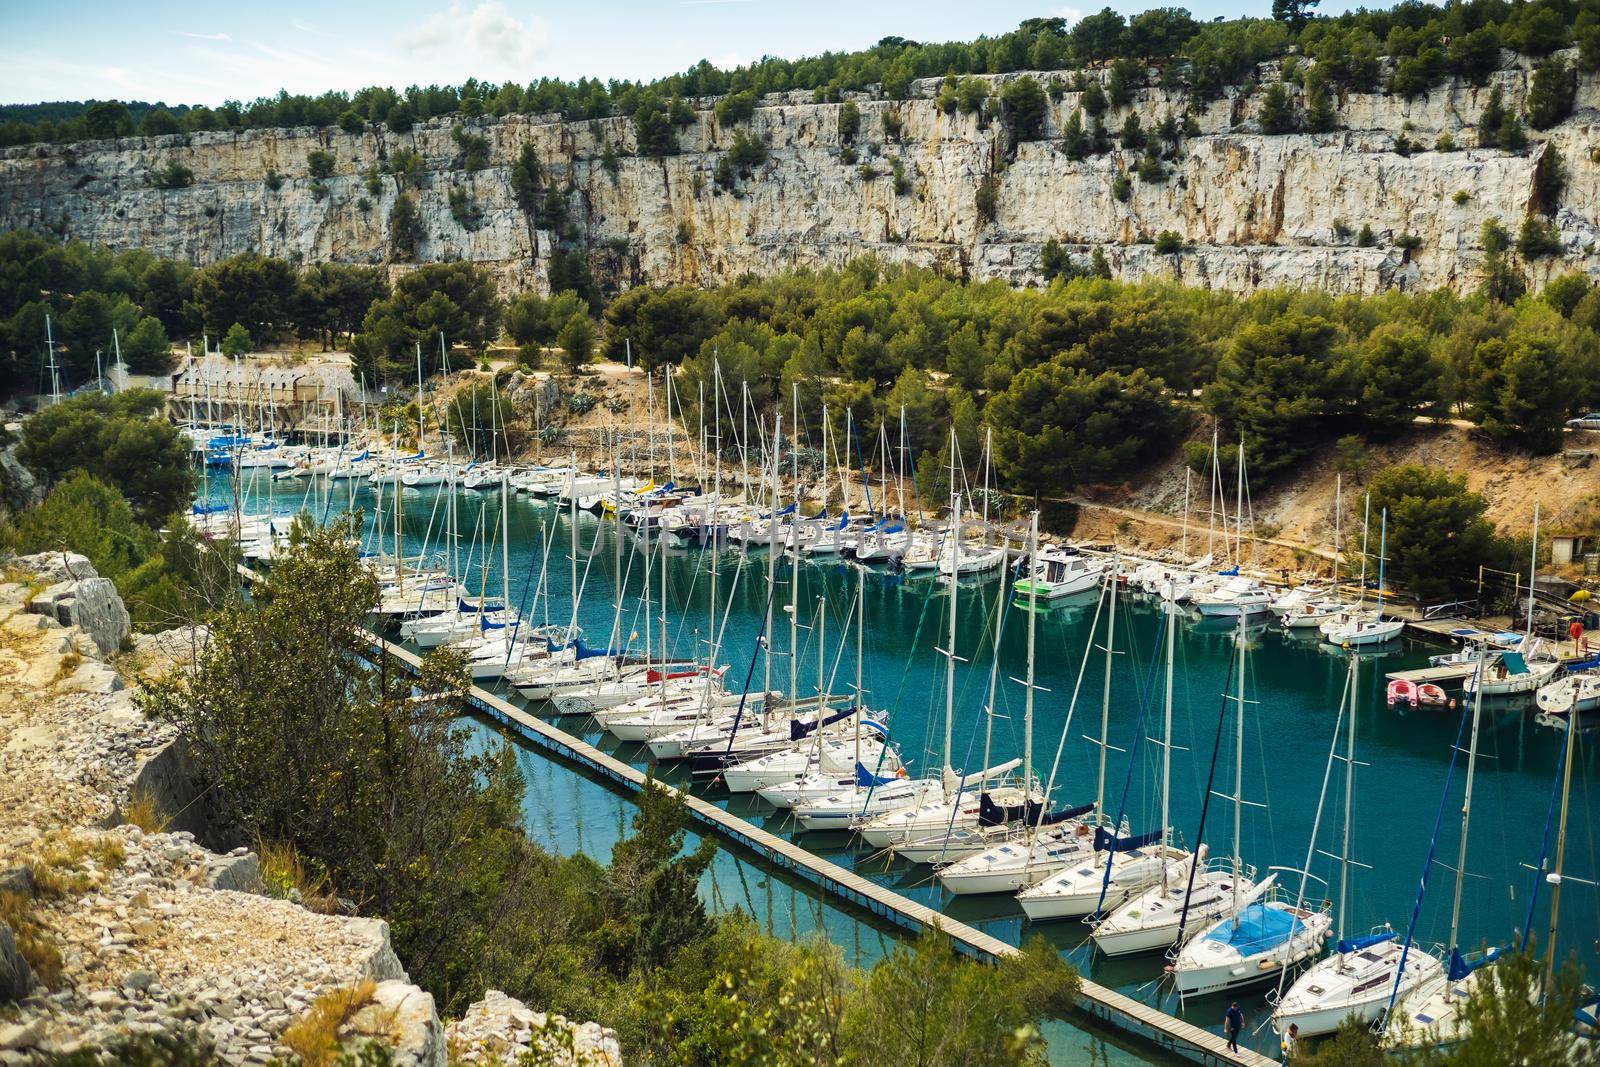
pixel 1169 1034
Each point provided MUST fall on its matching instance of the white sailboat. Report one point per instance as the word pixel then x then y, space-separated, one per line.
pixel 1194 893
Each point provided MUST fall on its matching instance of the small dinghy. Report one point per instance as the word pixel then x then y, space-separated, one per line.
pixel 1405 691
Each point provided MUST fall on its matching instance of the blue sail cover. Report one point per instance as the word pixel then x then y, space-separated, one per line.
pixel 866 779
pixel 1037 816
pixel 1231 572
pixel 1105 841
pixel 992 814
pixel 1257 929
pixel 1356 944
pixel 585 652
pixel 466 607
pixel 1460 967
pixel 799 730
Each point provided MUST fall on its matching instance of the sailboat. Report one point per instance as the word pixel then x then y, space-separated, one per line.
pixel 1358 630
pixel 1312 610
pixel 1193 892
pixel 1359 978
pixel 1237 595
pixel 1271 935
pixel 1049 841
pixel 1120 866
pixel 1429 1010
pixel 956 804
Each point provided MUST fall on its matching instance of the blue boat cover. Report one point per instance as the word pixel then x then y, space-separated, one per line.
pixel 1105 841
pixel 1356 944
pixel 866 779
pixel 992 814
pixel 1460 967
pixel 585 652
pixel 1231 572
pixel 468 608
pixel 799 730
pixel 1258 928
pixel 1037 816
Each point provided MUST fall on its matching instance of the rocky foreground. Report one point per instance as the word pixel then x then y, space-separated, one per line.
pixel 115 920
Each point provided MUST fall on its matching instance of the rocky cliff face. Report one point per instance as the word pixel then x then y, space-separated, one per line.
pixel 108 930
pixel 1256 210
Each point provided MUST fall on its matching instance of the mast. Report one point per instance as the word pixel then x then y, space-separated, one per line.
pixel 950 652
pixel 1238 771
pixel 794 574
pixel 505 543
pixel 1349 791
pixel 1338 518
pixel 1166 741
pixel 1533 571
pixel 1554 877
pixel 1366 526
pixel 1238 511
pixel 772 580
pixel 1187 474
pixel 1033 603
pixel 1105 693
pixel 1466 804
pixel 861 625
pixel 572 526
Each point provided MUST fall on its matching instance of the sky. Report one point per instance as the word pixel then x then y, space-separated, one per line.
pixel 189 53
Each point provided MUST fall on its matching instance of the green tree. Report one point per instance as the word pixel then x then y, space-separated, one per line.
pixel 122 440
pixel 256 291
pixel 1398 380
pixel 849 121
pixel 108 118
pixel 237 341
pixel 1554 89
pixel 1517 390
pixel 1026 107
pixel 1126 76
pixel 1437 533
pixel 1277 112
pixel 1057 427
pixel 319 164
pixel 576 341
pixel 987 198
pixel 146 349
pixel 483 421
pixel 526 178
pixel 1512 1015
pixel 406 230
pixel 1279 386
pixel 1320 114
pixel 1295 12
pixel 1094 100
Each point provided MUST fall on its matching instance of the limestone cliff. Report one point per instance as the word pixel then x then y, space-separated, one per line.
pixel 109 930
pixel 1256 209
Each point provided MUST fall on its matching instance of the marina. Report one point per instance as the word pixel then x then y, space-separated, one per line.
pixel 1294 680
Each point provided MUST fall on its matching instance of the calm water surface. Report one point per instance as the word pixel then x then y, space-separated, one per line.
pixel 1295 684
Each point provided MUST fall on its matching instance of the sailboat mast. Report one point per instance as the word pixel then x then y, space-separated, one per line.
pixel 1238 773
pixel 861 628
pixel 1166 737
pixel 1533 570
pixel 1105 689
pixel 950 651
pixel 1188 473
pixel 1238 511
pixel 772 578
pixel 1466 802
pixel 1338 518
pixel 1554 877
pixel 1033 606
pixel 1349 792
pixel 794 562
pixel 505 542
pixel 572 529
pixel 1383 548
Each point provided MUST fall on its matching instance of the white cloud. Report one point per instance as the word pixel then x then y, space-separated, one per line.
pixel 205 36
pixel 1072 15
pixel 485 36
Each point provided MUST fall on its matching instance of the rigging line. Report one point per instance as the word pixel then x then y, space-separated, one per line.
pixel 1072 704
pixel 1205 804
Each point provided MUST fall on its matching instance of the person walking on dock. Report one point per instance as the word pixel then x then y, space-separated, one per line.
pixel 1232 1023
pixel 1580 643
pixel 1291 1038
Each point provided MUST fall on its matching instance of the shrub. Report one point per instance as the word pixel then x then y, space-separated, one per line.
pixel 1366 238
pixel 985 200
pixel 1169 242
pixel 1537 239
pixel 273 180
pixel 319 164
pixel 1554 89
pixel 1120 187
pixel 464 209
pixel 849 121
pixel 173 176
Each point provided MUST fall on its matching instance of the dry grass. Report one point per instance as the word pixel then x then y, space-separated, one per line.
pixel 143 811
pixel 58 864
pixel 284 869
pixel 69 663
pixel 314 1037
pixel 33 940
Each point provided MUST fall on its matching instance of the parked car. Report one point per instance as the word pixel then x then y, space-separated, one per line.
pixel 1590 421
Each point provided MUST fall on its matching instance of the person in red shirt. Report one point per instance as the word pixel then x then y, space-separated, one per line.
pixel 1580 643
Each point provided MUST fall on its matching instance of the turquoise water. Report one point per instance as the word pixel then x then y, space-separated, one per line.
pixel 1295 684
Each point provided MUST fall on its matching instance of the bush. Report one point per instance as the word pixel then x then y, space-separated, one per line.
pixel 464 209
pixel 985 200
pixel 1277 113
pixel 1366 238
pixel 736 107
pixel 849 121
pixel 121 440
pixel 1025 105
pixel 1169 242
pixel 319 164
pixel 173 176
pixel 1537 239
pixel 1554 89
pixel 405 228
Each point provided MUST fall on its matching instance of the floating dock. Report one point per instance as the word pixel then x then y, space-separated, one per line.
pixel 1168 1034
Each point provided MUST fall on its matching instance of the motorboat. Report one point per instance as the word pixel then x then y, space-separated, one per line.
pixel 1360 631
pixel 1236 596
pixel 1058 573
